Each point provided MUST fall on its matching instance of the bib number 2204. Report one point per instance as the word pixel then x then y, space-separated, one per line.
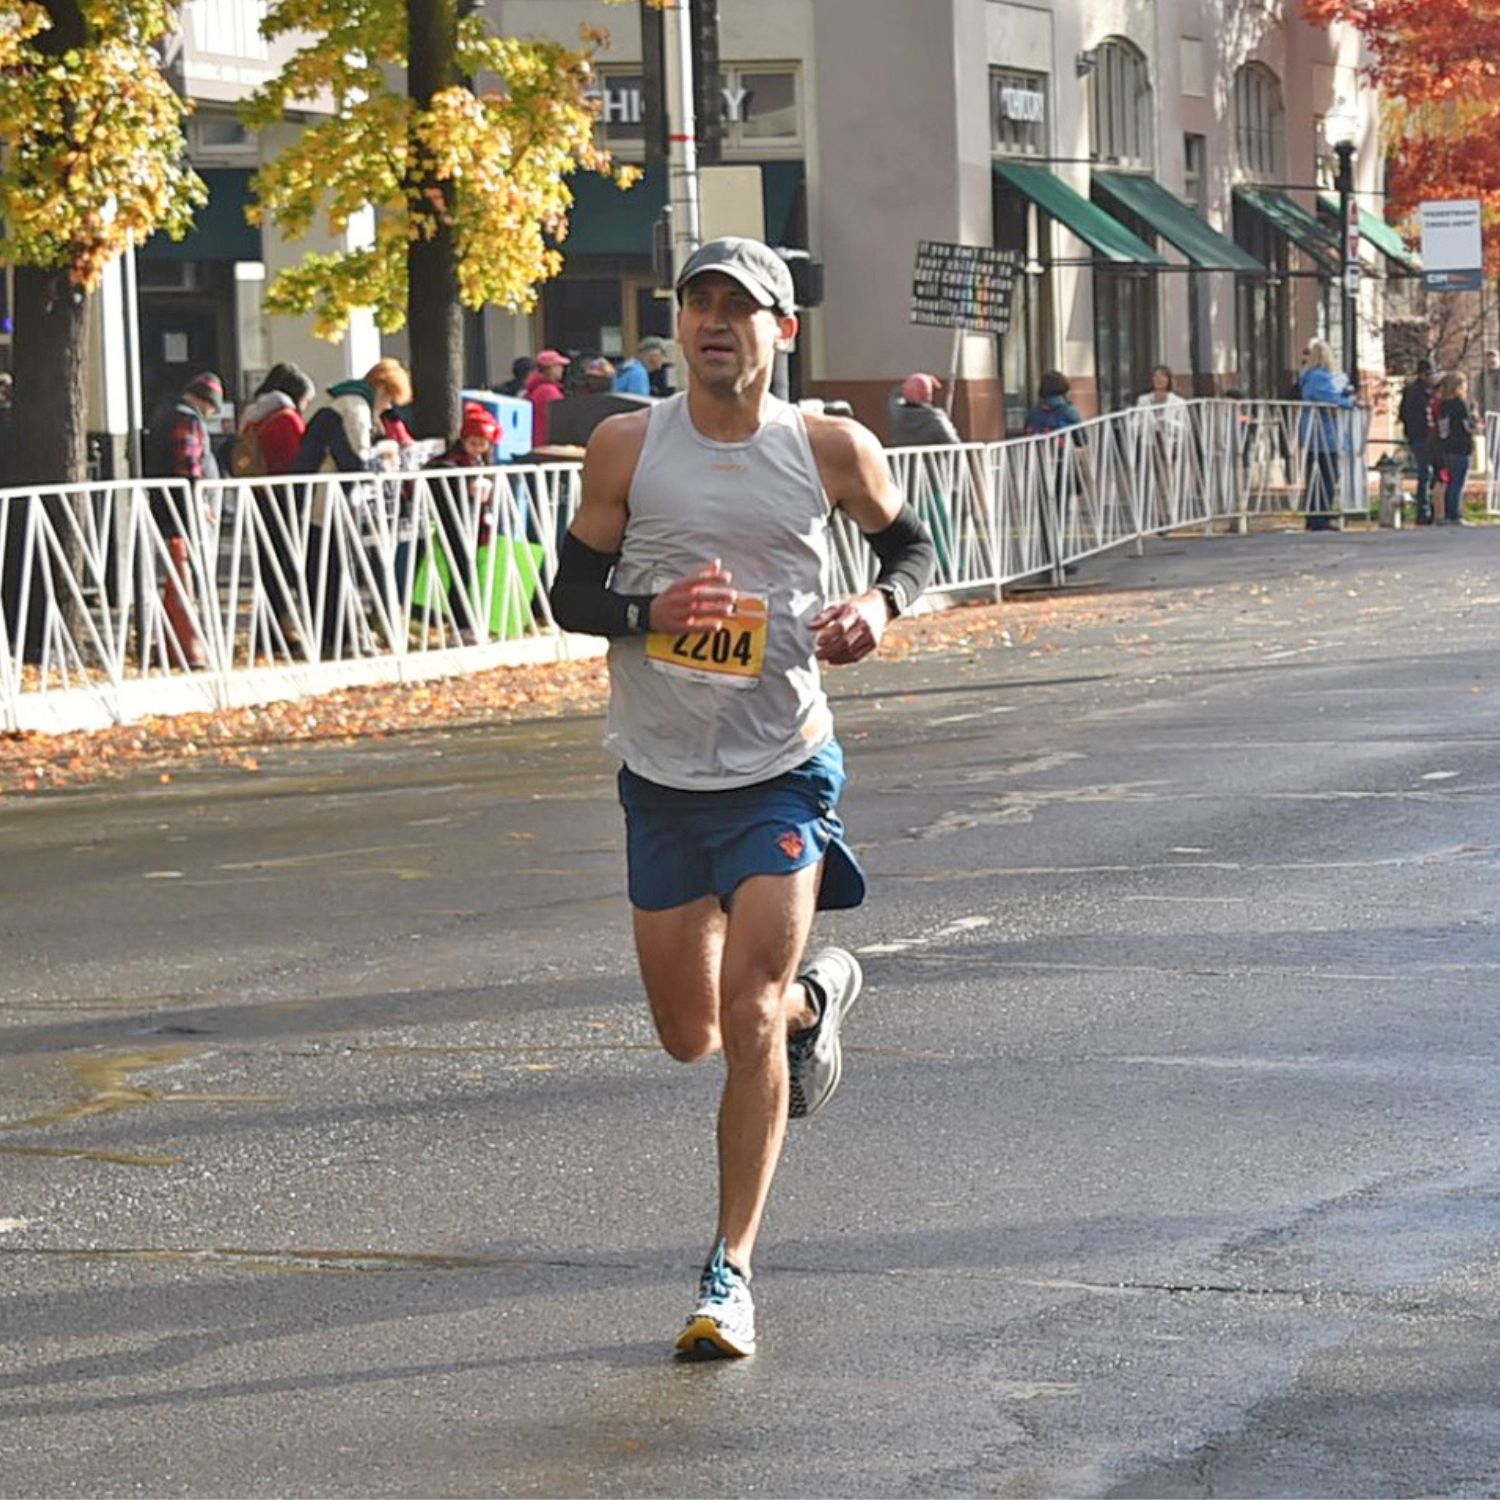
pixel 732 655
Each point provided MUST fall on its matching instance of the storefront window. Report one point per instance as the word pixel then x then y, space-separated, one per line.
pixel 767 111
pixel 1120 115
pixel 1022 344
pixel 1125 323
pixel 1018 113
pixel 1261 311
pixel 1259 122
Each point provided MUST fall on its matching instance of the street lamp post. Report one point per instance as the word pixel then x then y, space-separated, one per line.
pixel 1349 228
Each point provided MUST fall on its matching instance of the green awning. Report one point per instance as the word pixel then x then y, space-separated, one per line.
pixel 1380 235
pixel 219 229
pixel 1176 223
pixel 606 221
pixel 1111 239
pixel 1293 221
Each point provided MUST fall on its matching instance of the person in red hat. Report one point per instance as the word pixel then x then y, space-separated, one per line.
pixel 543 387
pixel 463 511
pixel 917 421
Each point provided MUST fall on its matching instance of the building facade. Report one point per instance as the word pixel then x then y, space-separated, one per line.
pixel 1164 169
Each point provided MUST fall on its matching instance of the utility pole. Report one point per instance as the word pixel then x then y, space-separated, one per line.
pixel 1349 224
pixel 682 143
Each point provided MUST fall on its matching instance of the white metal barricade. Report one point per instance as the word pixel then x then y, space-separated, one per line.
pixel 153 596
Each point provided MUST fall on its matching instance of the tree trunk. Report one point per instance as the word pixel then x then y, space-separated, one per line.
pixel 46 441
pixel 434 317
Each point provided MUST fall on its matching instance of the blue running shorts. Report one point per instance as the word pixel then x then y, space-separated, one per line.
pixel 683 845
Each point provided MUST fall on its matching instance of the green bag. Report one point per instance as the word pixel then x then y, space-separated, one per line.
pixel 507 573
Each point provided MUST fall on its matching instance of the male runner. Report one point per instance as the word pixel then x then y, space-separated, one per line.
pixel 700 547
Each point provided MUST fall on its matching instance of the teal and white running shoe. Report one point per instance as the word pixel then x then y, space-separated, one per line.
pixel 814 1056
pixel 722 1325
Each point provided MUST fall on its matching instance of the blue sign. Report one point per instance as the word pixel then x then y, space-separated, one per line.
pixel 1453 281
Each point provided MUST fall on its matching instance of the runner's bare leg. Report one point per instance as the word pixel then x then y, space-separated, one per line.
pixel 756 1003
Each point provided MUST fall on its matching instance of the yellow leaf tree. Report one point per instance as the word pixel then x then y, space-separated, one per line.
pixel 459 140
pixel 92 147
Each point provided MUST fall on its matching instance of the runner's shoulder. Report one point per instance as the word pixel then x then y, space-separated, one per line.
pixel 842 446
pixel 614 450
pixel 619 435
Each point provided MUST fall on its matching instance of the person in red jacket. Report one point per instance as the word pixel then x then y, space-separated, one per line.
pixel 271 426
pixel 545 386
pixel 270 435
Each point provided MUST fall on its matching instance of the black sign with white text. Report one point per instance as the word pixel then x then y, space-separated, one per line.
pixel 963 286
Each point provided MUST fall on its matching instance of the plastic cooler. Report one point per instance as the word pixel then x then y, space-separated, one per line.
pixel 513 413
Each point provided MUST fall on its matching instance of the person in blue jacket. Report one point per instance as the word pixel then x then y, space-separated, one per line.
pixel 1326 389
pixel 645 374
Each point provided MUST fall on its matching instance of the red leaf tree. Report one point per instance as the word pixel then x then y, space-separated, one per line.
pixel 1437 64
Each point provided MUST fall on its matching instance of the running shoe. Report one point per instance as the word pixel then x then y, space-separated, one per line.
pixel 722 1325
pixel 814 1056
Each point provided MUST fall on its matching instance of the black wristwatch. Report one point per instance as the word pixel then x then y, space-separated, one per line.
pixel 894 600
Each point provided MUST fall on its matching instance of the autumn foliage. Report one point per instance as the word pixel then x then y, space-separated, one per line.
pixel 487 162
pixel 1437 65
pixel 90 133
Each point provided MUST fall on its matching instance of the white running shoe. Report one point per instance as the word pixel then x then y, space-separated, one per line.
pixel 814 1056
pixel 722 1325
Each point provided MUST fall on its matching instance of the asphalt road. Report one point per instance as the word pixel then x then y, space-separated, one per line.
pixel 336 1157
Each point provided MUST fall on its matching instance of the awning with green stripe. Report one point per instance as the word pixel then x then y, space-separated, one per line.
pixel 1293 221
pixel 1176 223
pixel 1380 235
pixel 1111 239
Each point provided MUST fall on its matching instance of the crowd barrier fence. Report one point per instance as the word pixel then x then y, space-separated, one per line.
pixel 130 598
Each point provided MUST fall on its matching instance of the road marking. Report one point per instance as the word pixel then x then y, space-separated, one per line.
pixel 926 939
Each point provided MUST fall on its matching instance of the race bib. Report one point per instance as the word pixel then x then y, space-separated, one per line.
pixel 729 655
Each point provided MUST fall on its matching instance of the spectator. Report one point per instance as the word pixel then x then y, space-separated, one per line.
pixel 1054 413
pixel 1415 417
pixel 646 373
pixel 1161 422
pixel 179 448
pixel 463 513
pixel 521 369
pixel 915 418
pixel 342 438
pixel 1318 431
pixel 598 377
pixel 1456 425
pixel 543 387
pixel 1489 384
pixel 272 425
pixel 270 436
pixel 1162 400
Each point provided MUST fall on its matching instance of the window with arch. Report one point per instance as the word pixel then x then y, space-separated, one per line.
pixel 1259 122
pixel 1120 114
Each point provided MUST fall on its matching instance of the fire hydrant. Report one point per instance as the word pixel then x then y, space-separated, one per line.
pixel 1390 468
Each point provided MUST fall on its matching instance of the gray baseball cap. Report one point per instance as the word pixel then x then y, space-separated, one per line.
pixel 757 268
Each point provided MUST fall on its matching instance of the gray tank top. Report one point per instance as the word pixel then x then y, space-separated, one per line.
pixel 709 711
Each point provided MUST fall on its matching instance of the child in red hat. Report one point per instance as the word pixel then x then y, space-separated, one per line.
pixel 463 510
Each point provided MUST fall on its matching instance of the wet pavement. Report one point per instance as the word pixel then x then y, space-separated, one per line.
pixel 336 1156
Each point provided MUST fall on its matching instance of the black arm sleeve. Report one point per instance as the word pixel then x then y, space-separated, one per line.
pixel 581 597
pixel 907 559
